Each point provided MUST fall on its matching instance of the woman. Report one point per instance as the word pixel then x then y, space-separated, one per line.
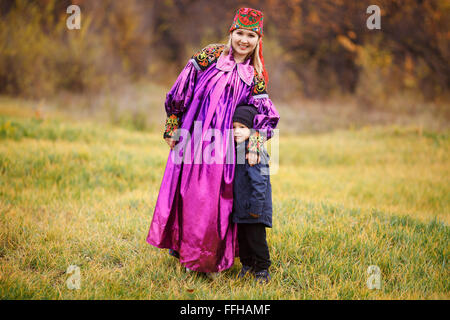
pixel 192 212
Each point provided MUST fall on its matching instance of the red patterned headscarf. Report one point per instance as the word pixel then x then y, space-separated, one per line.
pixel 251 19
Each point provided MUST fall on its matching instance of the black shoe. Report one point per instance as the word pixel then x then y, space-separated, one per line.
pixel 262 277
pixel 174 253
pixel 245 269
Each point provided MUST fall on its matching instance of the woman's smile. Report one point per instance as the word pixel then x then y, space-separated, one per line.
pixel 243 47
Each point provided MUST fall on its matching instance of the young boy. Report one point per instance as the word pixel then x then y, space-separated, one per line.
pixel 252 203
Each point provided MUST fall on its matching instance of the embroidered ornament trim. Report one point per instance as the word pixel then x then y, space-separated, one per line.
pixel 205 57
pixel 172 123
pixel 259 86
pixel 255 143
pixel 248 18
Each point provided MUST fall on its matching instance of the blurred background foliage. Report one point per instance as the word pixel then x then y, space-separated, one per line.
pixel 313 50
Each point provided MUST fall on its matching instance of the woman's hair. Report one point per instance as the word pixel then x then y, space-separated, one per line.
pixel 256 61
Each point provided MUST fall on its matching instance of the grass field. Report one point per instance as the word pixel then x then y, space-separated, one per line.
pixel 83 193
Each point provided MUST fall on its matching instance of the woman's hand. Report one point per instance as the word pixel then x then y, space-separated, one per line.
pixel 255 145
pixel 170 141
pixel 253 158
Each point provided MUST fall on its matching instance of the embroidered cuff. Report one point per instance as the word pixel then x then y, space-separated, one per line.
pixel 172 123
pixel 255 143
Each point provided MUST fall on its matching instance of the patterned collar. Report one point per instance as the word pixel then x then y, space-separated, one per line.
pixel 245 69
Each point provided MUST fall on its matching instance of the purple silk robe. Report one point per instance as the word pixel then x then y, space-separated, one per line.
pixel 193 210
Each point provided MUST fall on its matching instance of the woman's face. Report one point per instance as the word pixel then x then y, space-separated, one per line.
pixel 243 42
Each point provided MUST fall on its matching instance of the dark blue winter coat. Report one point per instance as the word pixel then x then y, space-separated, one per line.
pixel 252 191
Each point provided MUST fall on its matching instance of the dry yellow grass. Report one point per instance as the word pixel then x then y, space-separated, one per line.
pixel 84 193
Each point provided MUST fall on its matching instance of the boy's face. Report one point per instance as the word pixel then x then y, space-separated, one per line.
pixel 241 132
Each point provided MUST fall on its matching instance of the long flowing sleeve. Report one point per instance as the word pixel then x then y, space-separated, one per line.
pixel 180 95
pixel 267 117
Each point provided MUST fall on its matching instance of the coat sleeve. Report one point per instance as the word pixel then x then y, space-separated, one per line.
pixel 267 118
pixel 259 179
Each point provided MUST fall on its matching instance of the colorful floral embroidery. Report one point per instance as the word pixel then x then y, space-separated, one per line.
pixel 172 124
pixel 255 143
pixel 248 18
pixel 259 85
pixel 205 57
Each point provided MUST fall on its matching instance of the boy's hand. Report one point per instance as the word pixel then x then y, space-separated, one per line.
pixel 253 158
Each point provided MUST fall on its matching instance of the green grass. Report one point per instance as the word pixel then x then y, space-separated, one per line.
pixel 84 194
